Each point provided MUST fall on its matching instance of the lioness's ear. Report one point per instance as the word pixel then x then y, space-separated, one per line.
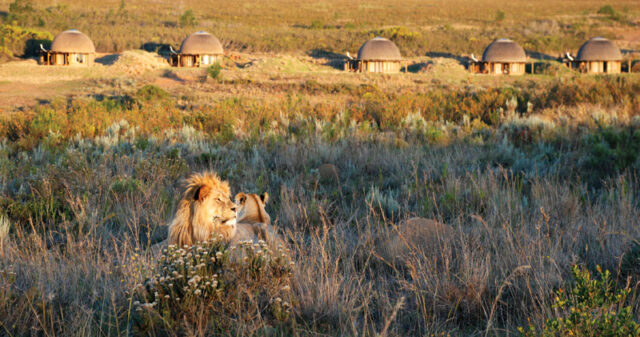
pixel 264 197
pixel 241 198
pixel 201 193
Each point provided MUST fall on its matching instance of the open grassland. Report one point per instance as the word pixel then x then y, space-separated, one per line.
pixel 534 174
pixel 533 177
pixel 318 27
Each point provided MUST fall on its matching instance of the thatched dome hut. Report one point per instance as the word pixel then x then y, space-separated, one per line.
pixel 598 55
pixel 199 49
pixel 70 47
pixel 503 56
pixel 378 55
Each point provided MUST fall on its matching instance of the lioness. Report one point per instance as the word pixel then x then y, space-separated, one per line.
pixel 253 222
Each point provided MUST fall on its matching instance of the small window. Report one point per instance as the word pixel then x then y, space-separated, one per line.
pixel 206 59
pixel 79 58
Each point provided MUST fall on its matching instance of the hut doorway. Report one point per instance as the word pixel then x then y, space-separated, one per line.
pixel 505 68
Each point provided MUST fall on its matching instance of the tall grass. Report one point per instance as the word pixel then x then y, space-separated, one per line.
pixel 88 186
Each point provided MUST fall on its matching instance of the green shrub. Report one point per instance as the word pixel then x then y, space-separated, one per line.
pixel 500 15
pixel 398 32
pixel 350 25
pixel 151 92
pixel 610 13
pixel 591 307
pixel 607 10
pixel 215 71
pixel 612 150
pixel 19 10
pixel 631 261
pixel 212 288
pixel 19 41
pixel 188 19
pixel 316 24
pixel 126 185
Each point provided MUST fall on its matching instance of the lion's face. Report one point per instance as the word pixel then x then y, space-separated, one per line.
pixel 205 210
pixel 213 211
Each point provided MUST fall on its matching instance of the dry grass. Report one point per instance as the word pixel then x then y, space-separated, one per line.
pixel 333 26
pixel 82 220
pixel 532 174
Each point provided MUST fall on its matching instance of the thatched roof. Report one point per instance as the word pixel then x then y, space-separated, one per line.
pixel 201 43
pixel 379 49
pixel 504 50
pixel 72 41
pixel 599 49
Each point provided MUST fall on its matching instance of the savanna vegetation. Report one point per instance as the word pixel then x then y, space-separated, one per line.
pixel 324 27
pixel 537 176
pixel 534 178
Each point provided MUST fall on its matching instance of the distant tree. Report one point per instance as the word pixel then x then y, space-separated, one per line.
pixel 500 15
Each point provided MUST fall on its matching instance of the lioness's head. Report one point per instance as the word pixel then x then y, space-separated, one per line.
pixel 205 209
pixel 252 208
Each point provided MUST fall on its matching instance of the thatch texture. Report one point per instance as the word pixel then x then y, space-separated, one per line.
pixel 72 41
pixel 379 49
pixel 599 49
pixel 201 43
pixel 504 51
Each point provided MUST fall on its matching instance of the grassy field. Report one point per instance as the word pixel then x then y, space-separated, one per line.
pixel 418 27
pixel 537 175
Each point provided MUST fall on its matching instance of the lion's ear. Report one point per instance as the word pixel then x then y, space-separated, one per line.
pixel 264 197
pixel 241 198
pixel 201 193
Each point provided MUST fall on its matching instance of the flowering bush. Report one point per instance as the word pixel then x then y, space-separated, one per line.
pixel 210 288
pixel 592 307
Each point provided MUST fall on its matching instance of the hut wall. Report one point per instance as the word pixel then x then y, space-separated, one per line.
pixel 595 67
pixel 58 59
pixel 517 69
pixel 379 66
pixel 61 59
pixel 183 60
pixel 599 67
pixel 78 59
pixel 475 67
pixel 206 60
pixel 614 67
pixel 505 68
pixel 495 68
pixel 187 61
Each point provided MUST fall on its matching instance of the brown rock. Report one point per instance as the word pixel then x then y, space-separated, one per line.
pixel 418 237
pixel 328 173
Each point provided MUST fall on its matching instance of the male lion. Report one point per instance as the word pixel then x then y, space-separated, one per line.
pixel 253 222
pixel 205 209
